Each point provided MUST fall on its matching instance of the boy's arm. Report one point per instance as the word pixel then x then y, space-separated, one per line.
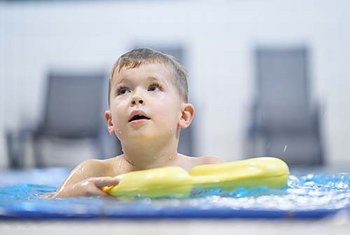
pixel 86 179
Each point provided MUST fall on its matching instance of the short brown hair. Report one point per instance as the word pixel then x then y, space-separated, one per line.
pixel 141 56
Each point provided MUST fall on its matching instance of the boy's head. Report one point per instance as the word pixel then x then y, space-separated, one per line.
pixel 147 97
pixel 141 56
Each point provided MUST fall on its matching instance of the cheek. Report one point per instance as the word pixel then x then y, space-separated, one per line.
pixel 168 114
pixel 118 127
pixel 117 117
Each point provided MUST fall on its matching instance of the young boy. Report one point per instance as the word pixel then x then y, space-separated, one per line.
pixel 148 106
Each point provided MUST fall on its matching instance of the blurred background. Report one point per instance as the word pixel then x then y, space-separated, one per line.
pixel 267 77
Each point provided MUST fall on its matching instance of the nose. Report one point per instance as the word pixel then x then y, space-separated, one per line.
pixel 136 99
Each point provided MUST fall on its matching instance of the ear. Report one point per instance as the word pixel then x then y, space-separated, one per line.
pixel 109 122
pixel 187 115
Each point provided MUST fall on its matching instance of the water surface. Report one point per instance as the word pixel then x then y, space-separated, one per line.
pixel 305 196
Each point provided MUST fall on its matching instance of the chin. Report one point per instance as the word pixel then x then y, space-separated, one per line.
pixel 148 138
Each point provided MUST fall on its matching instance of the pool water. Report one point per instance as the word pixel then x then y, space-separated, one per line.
pixel 305 196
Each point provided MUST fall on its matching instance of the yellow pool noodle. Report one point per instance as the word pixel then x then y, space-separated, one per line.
pixel 177 182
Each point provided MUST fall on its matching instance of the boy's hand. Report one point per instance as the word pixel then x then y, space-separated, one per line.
pixel 94 185
pixel 87 187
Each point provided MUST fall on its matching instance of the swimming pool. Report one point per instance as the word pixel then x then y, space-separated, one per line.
pixel 311 195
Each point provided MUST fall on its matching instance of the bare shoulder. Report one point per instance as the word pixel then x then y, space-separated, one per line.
pixel 86 169
pixel 94 168
pixel 188 162
pixel 92 165
pixel 210 160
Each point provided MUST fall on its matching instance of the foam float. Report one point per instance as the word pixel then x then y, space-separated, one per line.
pixel 176 182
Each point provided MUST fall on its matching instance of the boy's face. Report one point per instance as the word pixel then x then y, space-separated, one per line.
pixel 144 103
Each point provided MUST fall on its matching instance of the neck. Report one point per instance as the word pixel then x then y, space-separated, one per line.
pixel 150 154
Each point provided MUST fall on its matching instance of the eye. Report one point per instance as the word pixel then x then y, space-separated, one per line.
pixel 154 87
pixel 122 90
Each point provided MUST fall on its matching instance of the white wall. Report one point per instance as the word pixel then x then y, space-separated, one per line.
pixel 219 37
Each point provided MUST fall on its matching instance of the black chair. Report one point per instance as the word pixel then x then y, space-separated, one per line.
pixel 284 121
pixel 73 112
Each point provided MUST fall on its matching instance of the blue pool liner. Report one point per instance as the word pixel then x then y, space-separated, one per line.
pixel 324 195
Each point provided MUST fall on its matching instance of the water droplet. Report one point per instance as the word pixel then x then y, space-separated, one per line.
pixel 285 148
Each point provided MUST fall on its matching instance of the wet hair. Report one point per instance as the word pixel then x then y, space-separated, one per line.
pixel 141 56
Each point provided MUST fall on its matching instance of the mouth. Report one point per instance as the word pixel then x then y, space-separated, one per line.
pixel 138 117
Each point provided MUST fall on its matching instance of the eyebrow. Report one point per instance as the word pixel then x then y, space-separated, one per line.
pixel 119 81
pixel 150 78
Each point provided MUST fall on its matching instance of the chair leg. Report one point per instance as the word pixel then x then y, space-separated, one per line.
pixel 38 157
pixel 12 150
pixel 16 148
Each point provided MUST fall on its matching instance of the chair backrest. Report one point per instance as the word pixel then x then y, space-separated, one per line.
pixel 282 90
pixel 284 116
pixel 74 105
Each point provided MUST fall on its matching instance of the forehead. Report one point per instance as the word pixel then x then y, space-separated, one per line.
pixel 142 72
